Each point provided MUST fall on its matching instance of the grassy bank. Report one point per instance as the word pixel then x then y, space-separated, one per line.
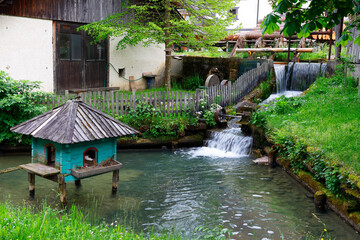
pixel 326 117
pixel 26 223
pixel 317 137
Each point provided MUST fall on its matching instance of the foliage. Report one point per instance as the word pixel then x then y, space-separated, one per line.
pixel 208 113
pixel 326 117
pixel 25 223
pixel 152 124
pixel 303 17
pixel 158 21
pixel 149 25
pixel 17 104
pixel 141 114
pixel 192 83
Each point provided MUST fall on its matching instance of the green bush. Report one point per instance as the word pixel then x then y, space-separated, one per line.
pixel 152 124
pixel 17 104
pixel 192 83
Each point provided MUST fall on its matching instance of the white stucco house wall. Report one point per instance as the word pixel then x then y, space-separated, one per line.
pixel 42 44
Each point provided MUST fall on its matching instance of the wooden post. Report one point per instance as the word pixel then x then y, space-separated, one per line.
pixel 31 178
pixel 77 183
pixel 115 181
pixel 289 43
pixel 62 188
pixel 330 43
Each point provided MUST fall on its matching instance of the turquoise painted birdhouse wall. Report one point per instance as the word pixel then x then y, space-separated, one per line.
pixel 72 156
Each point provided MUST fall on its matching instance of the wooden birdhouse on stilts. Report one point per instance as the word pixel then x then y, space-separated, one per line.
pixel 72 142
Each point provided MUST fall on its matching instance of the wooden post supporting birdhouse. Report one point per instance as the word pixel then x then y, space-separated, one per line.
pixel 31 178
pixel 115 181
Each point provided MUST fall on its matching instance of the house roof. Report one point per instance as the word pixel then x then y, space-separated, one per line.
pixel 73 122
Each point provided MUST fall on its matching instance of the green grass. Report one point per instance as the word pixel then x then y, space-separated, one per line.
pixel 326 117
pixel 26 223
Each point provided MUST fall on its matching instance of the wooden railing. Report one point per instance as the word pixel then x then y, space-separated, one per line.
pixel 169 103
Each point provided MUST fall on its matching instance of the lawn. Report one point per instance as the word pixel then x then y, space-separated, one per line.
pixel 326 117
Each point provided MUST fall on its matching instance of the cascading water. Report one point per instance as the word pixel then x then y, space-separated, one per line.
pixel 293 79
pixel 280 78
pixel 229 142
pixel 298 76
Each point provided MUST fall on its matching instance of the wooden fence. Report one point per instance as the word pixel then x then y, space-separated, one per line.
pixel 169 103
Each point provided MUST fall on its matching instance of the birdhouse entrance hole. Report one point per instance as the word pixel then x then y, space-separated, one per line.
pixel 50 155
pixel 90 157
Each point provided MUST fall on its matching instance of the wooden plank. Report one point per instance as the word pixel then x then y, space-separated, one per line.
pixel 103 97
pixel 52 102
pixel 163 102
pixel 93 171
pixel 177 104
pixel 112 102
pixel 7 170
pixel 40 169
pixel 86 97
pixel 197 99
pixel 121 103
pixel 117 103
pixel 126 104
pixel 274 50
pixel 181 103
pixel 172 106
pixel 151 98
pixel 95 100
pixel 155 100
pixel 185 101
pixel 107 102
pixel 90 99
pixel 98 104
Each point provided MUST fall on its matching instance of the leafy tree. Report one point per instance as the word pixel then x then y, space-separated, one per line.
pixel 17 104
pixel 159 21
pixel 305 16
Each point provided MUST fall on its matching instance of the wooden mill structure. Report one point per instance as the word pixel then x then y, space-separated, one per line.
pixel 72 142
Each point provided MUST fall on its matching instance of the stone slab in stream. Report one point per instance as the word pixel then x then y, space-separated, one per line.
pixel 262 161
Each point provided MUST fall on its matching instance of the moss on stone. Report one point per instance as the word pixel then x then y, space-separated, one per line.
pixel 319 195
pixel 355 216
pixel 309 180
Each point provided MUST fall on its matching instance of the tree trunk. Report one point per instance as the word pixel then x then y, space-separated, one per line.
pixel 167 45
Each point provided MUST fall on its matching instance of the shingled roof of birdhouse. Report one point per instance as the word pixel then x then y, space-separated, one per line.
pixel 73 122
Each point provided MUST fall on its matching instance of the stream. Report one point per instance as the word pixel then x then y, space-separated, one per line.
pixel 210 186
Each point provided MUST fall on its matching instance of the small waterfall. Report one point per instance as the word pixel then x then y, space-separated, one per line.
pixel 298 76
pixel 280 78
pixel 229 142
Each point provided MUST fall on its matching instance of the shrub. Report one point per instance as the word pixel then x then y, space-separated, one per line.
pixel 151 124
pixel 192 83
pixel 17 104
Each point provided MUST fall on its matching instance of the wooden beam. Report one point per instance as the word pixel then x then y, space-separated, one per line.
pixel 274 50
pixel 115 181
pixel 31 178
pixel 62 188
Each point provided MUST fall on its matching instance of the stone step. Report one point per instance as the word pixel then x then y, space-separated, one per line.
pixel 245 106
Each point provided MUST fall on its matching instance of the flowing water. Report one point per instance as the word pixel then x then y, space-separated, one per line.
pixel 214 185
pixel 293 79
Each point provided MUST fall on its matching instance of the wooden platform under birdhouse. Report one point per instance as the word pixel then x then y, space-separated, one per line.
pixel 40 169
pixel 109 166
